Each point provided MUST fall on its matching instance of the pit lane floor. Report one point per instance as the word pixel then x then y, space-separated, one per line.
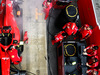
pixel 35 52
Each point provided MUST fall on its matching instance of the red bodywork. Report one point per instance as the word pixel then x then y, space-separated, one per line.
pixel 6 55
pixel 87 16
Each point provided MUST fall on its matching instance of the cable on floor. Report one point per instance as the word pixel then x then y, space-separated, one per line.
pixel 30 72
pixel 20 70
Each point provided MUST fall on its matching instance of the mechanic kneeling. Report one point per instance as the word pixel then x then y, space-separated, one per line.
pixel 91 50
pixel 92 62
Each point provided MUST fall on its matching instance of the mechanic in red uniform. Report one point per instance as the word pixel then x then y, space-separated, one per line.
pixel 84 32
pixel 92 71
pixel 47 5
pixel 59 37
pixel 90 50
pixel 92 62
pixel 99 71
pixel 70 28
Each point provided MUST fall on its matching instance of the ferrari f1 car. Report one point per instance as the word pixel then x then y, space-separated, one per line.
pixel 10 51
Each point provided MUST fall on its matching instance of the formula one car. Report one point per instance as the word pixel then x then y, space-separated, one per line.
pixel 10 51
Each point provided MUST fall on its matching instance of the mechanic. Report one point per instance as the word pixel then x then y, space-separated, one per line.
pixel 90 50
pixel 70 28
pixel 47 5
pixel 92 62
pixel 84 32
pixel 92 71
pixel 59 37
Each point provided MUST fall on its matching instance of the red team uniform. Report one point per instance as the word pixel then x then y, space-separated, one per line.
pixel 58 37
pixel 70 28
pixel 90 62
pixel 84 33
pixel 90 71
pixel 47 6
pixel 91 52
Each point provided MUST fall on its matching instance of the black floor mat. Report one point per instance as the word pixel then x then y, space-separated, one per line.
pixel 72 68
pixel 80 60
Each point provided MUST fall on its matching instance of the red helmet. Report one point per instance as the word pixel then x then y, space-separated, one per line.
pixel 86 25
pixel 73 25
